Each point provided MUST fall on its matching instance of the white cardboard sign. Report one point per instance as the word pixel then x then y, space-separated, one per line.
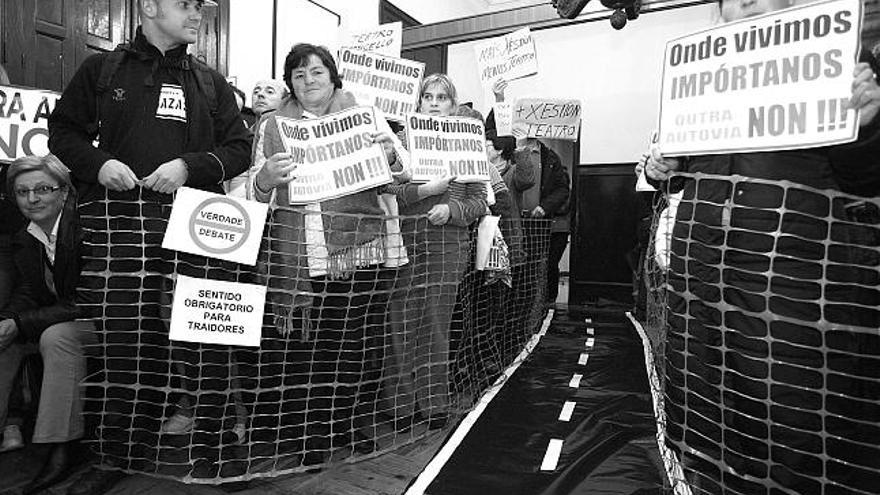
pixel 24 121
pixel 217 312
pixel 334 154
pixel 774 82
pixel 385 39
pixel 444 146
pixel 503 118
pixel 509 57
pixel 389 84
pixel 547 118
pixel 217 226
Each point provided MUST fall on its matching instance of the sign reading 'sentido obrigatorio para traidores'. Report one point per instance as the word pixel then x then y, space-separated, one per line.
pixel 217 312
pixel 774 82
pixel 223 227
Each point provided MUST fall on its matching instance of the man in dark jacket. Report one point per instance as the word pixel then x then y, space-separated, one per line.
pixel 547 200
pixel 155 125
pixel 162 121
pixel 552 196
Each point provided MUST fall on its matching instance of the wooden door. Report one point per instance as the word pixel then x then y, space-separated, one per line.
pixel 45 41
pixel 211 46
pixel 104 25
pixel 40 48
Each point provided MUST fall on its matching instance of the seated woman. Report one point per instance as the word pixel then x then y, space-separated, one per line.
pixel 42 308
pixel 10 222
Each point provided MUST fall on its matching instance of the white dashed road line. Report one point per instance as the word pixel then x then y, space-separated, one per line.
pixel 433 468
pixel 583 359
pixel 567 411
pixel 551 457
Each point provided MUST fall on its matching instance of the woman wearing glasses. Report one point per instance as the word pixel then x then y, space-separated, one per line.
pixel 42 311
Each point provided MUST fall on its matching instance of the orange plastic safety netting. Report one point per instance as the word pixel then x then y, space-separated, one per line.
pixel 351 363
pixel 764 301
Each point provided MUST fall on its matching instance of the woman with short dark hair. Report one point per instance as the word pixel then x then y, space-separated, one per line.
pixel 328 263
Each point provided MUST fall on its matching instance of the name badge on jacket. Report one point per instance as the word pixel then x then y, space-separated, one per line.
pixel 172 103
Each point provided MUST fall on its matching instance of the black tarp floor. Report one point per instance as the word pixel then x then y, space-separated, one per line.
pixel 608 446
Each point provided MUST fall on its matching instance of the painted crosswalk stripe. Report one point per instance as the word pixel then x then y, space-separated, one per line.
pixel 583 359
pixel 575 381
pixel 551 457
pixel 567 410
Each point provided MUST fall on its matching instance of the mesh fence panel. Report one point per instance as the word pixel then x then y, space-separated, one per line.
pixel 350 365
pixel 770 309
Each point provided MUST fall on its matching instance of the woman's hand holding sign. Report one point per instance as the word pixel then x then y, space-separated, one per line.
pixel 657 167
pixel 387 143
pixel 434 187
pixel 498 88
pixel 277 170
pixel 865 93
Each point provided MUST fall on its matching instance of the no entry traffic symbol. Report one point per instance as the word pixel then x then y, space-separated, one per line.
pixel 216 226
pixel 219 225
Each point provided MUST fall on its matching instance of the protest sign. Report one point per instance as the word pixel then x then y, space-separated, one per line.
pixel 778 81
pixel 387 83
pixel 642 184
pixel 385 39
pixel 547 118
pixel 507 57
pixel 444 146
pixel 335 155
pixel 24 115
pixel 485 240
pixel 217 312
pixel 217 226
pixel 503 118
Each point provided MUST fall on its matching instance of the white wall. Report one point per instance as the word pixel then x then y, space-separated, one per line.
pixel 430 11
pixel 250 42
pixel 355 13
pixel 250 32
pixel 615 74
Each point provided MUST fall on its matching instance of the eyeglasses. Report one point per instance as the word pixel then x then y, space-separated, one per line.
pixel 40 191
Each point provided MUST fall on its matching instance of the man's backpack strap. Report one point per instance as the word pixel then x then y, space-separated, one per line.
pixel 109 67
